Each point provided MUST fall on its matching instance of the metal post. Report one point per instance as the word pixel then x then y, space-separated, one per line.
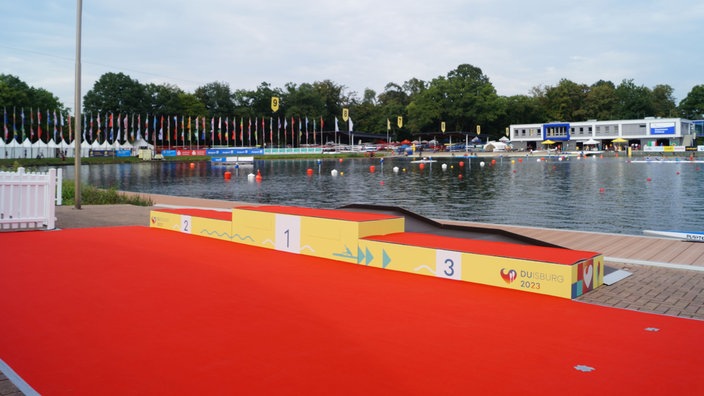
pixel 77 105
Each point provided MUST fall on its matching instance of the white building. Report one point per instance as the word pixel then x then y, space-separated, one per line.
pixel 648 132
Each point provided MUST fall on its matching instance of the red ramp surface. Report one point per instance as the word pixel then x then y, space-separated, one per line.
pixel 134 310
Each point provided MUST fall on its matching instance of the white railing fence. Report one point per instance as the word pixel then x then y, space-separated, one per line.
pixel 28 200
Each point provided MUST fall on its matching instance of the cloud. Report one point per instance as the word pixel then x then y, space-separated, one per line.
pixel 359 44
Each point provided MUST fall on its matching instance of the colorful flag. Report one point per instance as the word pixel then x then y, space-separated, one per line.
pixel 249 131
pixel 126 124
pixel 242 130
pixel 110 125
pixel 161 129
pixel 190 130
pixel 271 130
pixel 227 130
pixel 175 129
pixel 351 125
pixel 7 132
pixel 14 122
pixel 220 129
pixel 119 127
pixel 21 126
pixel 39 125
pixel 212 130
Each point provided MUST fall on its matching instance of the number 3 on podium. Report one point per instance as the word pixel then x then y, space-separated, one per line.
pixel 448 264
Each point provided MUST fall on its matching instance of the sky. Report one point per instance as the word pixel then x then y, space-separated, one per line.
pixel 359 44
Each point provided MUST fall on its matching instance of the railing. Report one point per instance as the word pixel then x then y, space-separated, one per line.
pixel 27 200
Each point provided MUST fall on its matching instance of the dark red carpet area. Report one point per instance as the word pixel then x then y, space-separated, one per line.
pixel 134 310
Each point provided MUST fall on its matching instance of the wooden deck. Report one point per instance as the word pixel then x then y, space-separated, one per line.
pixel 615 246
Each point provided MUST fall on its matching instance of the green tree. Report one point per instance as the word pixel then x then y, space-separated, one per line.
pixel 16 93
pixel 190 104
pixel 217 98
pixel 333 99
pixel 600 101
pixel 117 93
pixel 663 101
pixel 468 97
pixel 692 106
pixel 633 102
pixel 164 99
pixel 522 109
pixel 566 101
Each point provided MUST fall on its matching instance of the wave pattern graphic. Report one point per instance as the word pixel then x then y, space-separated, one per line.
pixel 226 235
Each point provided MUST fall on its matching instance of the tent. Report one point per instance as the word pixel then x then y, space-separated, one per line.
pixel 495 146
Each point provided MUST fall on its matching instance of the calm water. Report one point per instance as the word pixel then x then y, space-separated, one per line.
pixel 606 195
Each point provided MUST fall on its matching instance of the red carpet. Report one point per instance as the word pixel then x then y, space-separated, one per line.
pixel 135 310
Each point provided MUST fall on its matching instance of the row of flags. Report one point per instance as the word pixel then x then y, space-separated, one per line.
pixel 163 129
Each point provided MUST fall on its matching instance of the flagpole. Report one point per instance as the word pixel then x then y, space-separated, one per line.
pixel 77 105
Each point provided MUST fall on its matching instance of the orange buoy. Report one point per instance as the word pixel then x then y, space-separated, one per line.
pixel 461 164
pixel 309 171
pixel 192 165
pixel 372 168
pixel 228 175
pixel 421 166
pixel 258 177
pixel 340 160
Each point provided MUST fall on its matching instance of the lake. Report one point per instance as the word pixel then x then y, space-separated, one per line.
pixel 613 195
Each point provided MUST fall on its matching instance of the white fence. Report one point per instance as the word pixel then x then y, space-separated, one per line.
pixel 27 200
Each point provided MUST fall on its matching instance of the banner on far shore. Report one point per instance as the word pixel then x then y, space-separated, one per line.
pixel 182 152
pixel 665 149
pixel 234 151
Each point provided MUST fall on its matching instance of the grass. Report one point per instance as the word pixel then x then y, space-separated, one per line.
pixel 91 195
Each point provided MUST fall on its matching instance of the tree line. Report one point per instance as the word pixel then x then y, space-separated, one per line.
pixel 459 100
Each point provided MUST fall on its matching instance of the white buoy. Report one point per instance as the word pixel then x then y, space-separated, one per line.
pixel 395 169
pixel 481 164
pixel 250 177
pixel 444 167
pixel 333 172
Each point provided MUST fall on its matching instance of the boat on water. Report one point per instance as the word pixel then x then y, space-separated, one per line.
pixel 694 236
pixel 424 160
pixel 660 160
